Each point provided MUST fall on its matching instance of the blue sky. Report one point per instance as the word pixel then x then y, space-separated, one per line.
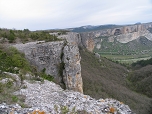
pixel 51 14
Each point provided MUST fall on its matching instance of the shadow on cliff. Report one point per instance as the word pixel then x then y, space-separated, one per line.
pixel 105 79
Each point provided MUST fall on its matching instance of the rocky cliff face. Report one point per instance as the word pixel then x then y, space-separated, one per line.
pixel 51 55
pixel 44 55
pixel 60 59
pixel 72 71
pixel 122 34
pixel 71 60
pixel 125 38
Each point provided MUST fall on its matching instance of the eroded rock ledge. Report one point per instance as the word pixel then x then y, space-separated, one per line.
pixel 52 99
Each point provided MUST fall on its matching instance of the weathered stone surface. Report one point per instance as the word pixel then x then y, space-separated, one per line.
pixel 73 38
pixel 49 56
pixel 71 60
pixel 72 72
pixel 122 34
pixel 125 38
pixel 87 40
pixel 15 77
pixel 51 98
pixel 44 55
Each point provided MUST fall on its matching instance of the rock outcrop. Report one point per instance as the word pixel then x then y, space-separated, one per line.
pixel 61 59
pixel 72 71
pixel 49 98
pixel 44 56
pixel 71 59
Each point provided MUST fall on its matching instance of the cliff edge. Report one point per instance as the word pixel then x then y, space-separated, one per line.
pixel 60 59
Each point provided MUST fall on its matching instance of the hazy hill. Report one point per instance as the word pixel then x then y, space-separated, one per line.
pixel 89 28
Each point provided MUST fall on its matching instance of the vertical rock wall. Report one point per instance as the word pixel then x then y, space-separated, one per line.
pixel 51 55
pixel 71 60
pixel 72 72
pixel 87 40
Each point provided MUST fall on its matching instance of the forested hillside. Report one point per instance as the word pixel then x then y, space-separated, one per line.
pixel 107 79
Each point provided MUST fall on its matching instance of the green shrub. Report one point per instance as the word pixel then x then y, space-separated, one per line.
pixel 64 109
pixel 1 87
pixel 9 84
pixel 14 98
pixel 11 58
pixel 45 76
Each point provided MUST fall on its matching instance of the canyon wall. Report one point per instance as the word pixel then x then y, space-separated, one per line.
pixel 122 34
pixel 61 59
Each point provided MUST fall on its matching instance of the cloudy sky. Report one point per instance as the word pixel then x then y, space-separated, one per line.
pixel 50 14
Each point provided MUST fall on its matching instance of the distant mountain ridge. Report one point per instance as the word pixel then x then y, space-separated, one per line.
pixel 89 28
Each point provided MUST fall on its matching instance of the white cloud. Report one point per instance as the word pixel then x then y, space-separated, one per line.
pixel 21 9
pixel 46 14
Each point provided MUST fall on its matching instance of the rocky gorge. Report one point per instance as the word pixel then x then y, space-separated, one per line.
pixel 47 97
pixel 61 59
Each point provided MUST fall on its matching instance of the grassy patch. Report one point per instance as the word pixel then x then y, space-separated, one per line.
pixel 45 76
pixel 11 58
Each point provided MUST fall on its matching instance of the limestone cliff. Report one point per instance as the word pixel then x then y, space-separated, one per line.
pixel 51 55
pixel 44 55
pixel 125 38
pixel 71 60
pixel 72 72
pixel 122 34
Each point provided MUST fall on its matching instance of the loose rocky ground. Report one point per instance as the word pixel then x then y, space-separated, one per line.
pixel 49 98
